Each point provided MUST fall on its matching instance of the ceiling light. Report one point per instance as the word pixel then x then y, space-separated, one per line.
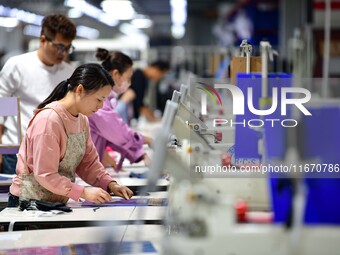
pixel 128 29
pixel 142 22
pixel 32 30
pixel 87 32
pixel 178 31
pixel 178 17
pixel 21 15
pixel 8 22
pixel 74 13
pixel 120 9
pixel 92 11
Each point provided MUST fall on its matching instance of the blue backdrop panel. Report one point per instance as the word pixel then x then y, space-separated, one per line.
pixel 246 138
pixel 319 138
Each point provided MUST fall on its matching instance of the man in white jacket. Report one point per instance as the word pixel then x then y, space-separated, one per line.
pixel 32 76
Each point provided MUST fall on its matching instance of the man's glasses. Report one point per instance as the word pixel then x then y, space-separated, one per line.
pixel 60 47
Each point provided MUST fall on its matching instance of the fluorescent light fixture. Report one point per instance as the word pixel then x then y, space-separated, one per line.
pixel 141 22
pixel 106 19
pixel 82 31
pixel 178 31
pixel 128 29
pixel 8 22
pixel 21 15
pixel 87 32
pixel 178 4
pixel 32 30
pixel 120 9
pixel 74 13
pixel 92 11
pixel 178 18
pixel 178 11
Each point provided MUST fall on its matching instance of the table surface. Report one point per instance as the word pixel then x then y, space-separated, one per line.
pixel 115 213
pixel 67 236
pixel 87 215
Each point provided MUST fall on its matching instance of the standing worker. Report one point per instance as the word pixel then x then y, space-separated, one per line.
pixel 32 76
pixel 139 85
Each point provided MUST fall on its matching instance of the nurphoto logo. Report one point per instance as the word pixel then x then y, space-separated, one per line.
pixel 287 96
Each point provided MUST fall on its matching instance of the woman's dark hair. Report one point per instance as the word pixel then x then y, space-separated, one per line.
pixel 114 60
pixel 92 76
pixel 58 23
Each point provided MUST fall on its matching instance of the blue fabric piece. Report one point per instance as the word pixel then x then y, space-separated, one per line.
pixel 131 202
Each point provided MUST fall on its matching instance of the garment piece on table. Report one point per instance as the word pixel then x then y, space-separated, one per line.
pixel 131 202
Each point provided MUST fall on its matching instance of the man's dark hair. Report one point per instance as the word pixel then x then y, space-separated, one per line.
pixel 58 23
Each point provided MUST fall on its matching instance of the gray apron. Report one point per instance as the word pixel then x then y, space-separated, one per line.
pixel 75 151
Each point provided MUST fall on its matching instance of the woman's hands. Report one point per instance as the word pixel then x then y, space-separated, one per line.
pixel 147 160
pixel 100 196
pixel 108 161
pixel 96 195
pixel 120 191
pixel 148 140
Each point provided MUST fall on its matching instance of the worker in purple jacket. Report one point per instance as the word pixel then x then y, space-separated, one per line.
pixel 107 126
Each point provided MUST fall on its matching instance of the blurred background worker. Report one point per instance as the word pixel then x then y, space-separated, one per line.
pixel 32 76
pixel 139 86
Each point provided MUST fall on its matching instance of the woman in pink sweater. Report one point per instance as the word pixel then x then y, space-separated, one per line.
pixel 107 126
pixel 58 145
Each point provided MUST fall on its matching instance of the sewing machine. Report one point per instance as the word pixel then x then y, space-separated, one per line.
pixel 201 220
pixel 201 217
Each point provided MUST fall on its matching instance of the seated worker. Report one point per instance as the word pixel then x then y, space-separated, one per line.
pixel 107 126
pixel 139 85
pixel 57 145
